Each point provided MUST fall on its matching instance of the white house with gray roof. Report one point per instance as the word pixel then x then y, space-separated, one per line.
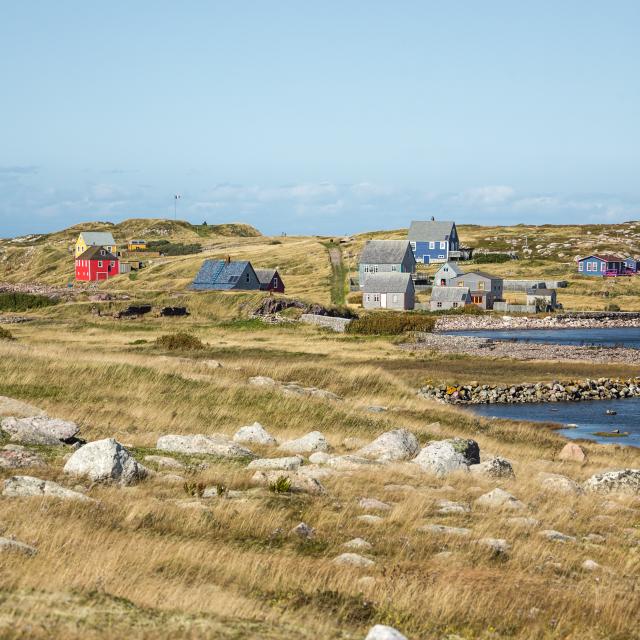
pixel 434 240
pixel 385 256
pixel 445 273
pixel 443 298
pixel 390 290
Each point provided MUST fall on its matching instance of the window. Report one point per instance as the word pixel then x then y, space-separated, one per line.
pixel 413 246
pixel 441 255
pixel 432 245
pixel 376 297
pixel 394 267
pixel 461 283
pixel 580 266
pixel 395 297
pixel 99 263
pixel 439 305
pixel 246 277
pixel 113 264
pixel 481 285
pixel 275 281
pixel 455 305
pixel 476 299
pixel 443 245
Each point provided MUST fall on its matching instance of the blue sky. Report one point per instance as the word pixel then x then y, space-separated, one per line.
pixel 326 117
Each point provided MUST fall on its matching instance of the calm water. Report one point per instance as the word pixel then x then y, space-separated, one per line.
pixel 624 336
pixel 589 416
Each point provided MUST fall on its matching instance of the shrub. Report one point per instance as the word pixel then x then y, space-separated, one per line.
pixel 281 485
pixel 173 248
pixel 180 342
pixel 195 489
pixel 24 301
pixel 390 323
pixel 355 298
pixel 5 334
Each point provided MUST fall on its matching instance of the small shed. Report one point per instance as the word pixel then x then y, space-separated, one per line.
pixel 443 298
pixel 270 280
pixel 542 299
pixel 391 290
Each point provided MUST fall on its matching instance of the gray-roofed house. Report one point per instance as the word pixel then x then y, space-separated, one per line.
pixel 434 240
pixel 449 298
pixel 384 256
pixel 270 280
pixel 225 275
pixel 485 289
pixel 543 299
pixel 445 273
pixel 389 290
pixel 88 239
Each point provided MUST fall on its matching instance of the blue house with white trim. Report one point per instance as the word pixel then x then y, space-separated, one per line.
pixel 225 275
pixel 434 240
pixel 602 265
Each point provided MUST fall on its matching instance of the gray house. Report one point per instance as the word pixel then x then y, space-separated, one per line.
pixel 389 291
pixel 445 273
pixel 485 289
pixel 225 275
pixel 543 299
pixel 384 256
pixel 449 298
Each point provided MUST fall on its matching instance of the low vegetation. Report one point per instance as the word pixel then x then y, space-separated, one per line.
pixel 180 342
pixel 11 301
pixel 167 248
pixel 5 334
pixel 390 323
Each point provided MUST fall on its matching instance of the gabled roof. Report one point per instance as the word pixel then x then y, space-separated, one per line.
pixel 96 253
pixel 482 274
pixel 265 276
pixel 385 251
pixel 388 282
pixel 605 257
pixel 98 238
pixel 430 230
pixel 220 274
pixel 453 268
pixel 449 294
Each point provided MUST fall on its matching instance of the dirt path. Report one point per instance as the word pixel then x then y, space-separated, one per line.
pixel 338 275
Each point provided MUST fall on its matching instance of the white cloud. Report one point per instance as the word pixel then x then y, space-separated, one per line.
pixel 485 196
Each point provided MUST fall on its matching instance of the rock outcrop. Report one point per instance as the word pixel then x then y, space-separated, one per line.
pixel 308 443
pixel 28 486
pixel 284 464
pixel 382 632
pixel 618 481
pixel 300 482
pixel 254 434
pixel 15 456
pixel 494 468
pixel 399 444
pixel 9 545
pixel 499 499
pixel 40 430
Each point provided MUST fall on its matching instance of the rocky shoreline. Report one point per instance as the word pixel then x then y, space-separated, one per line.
pixel 529 392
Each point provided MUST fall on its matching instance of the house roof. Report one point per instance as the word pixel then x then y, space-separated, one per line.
pixel 265 275
pixel 482 274
pixel 384 251
pixel 94 253
pixel 388 282
pixel 99 238
pixel 449 294
pixel 430 230
pixel 453 268
pixel 220 274
pixel 605 257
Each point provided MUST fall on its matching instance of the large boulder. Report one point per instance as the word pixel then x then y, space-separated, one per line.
pixel 399 444
pixel 308 443
pixel 382 632
pixel 28 486
pixel 500 499
pixel 618 481
pixel 284 464
pixel 105 461
pixel 572 452
pixel 40 430
pixel 447 456
pixel 215 444
pixel 18 409
pixel 254 434
pixel 494 468
pixel 354 560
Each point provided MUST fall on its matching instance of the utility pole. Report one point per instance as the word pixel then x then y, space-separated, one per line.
pixel 176 197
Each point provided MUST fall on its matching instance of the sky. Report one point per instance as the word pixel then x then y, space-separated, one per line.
pixel 318 118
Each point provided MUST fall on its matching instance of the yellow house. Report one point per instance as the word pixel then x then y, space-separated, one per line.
pixel 95 239
pixel 137 245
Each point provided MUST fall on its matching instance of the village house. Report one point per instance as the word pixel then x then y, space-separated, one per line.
pixel 270 280
pixel 445 297
pixel 389 290
pixel 484 288
pixel 445 273
pixel 603 265
pixel 137 245
pixel 631 264
pixel 542 299
pixel 434 240
pixel 384 256
pixel 102 239
pixel 95 264
pixel 225 275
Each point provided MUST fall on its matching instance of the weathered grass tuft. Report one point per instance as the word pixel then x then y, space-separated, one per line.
pixel 180 342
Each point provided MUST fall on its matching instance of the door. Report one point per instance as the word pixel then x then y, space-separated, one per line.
pixel 383 300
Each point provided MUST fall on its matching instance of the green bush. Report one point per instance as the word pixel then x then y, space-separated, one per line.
pixel 173 248
pixel 180 342
pixel 390 323
pixel 281 485
pixel 24 301
pixel 5 334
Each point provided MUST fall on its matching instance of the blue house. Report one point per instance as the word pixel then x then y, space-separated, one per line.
pixel 601 265
pixel 631 264
pixel 225 275
pixel 434 241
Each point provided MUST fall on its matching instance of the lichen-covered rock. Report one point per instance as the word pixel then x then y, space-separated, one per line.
pixel 358 544
pixel 370 519
pixel 447 456
pixel 354 560
pixel 214 444
pixel 284 464
pixel 556 536
pixel 399 444
pixel 572 452
pixel 9 545
pixel 443 530
pixel 372 504
pixel 557 483
pixel 319 457
pixel 39 430
pixel 262 381
pixel 494 468
pixel 447 507
pixel 303 530
pixel 254 434
pixel 28 486
pixel 498 546
pixel 383 632
pixel 499 499
pixel 18 409
pixel 618 481
pixel 15 456
pixel 308 443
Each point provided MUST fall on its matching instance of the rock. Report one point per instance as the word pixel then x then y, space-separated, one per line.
pixel 308 443
pixel 447 456
pixel 371 504
pixel 283 464
pixel 215 444
pixel 590 565
pixel 254 434
pixel 315 471
pixel 494 468
pixel 28 486
pixel 349 462
pixel 399 444
pixel 358 543
pixel 300 483
pixel 39 430
pixel 618 481
pixel 216 491
pixel 499 499
pixel 319 457
pixel 323 393
pixel 18 409
pixel 523 522
pixel 374 408
pixel 171 478
pixel 496 545
pixel 369 519
pixel 594 538
pixel 556 536
pixel 441 529
pixel 262 381
pixel 303 530
pixel 572 452
pixel 354 560
pixel 382 632
pixel 7 544
pixel 165 462
pixel 212 364
pixel 558 483
pixel 448 506
pixel 16 457
pixel 105 461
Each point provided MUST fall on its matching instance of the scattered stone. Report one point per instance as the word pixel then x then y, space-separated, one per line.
pixel 448 506
pixel 165 462
pixel 399 444
pixel 216 491
pixel 7 544
pixel 254 434
pixel 284 464
pixel 319 457
pixel 590 565
pixel 303 530
pixel 105 461
pixel 369 519
pixel 28 486
pixel 171 478
pixel 358 543
pixel 496 545
pixel 382 632
pixel 300 483
pixel 494 468
pixel 523 522
pixel 40 430
pixel 499 499
pixel 349 462
pixel 212 364
pixel 371 504
pixel 572 452
pixel 447 456
pixel 441 529
pixel 262 381
pixel 377 409
pixel 16 457
pixel 556 536
pixel 315 471
pixel 618 481
pixel 308 443
pixel 354 560
pixel 594 538
pixel 215 444
pixel 557 483
pixel 18 409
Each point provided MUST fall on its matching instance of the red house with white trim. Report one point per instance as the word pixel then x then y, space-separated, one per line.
pixel 96 264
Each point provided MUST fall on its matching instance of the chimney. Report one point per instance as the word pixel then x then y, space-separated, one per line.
pixel 228 259
pixel 433 218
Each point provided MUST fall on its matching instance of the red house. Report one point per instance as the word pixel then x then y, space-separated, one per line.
pixel 270 280
pixel 95 264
